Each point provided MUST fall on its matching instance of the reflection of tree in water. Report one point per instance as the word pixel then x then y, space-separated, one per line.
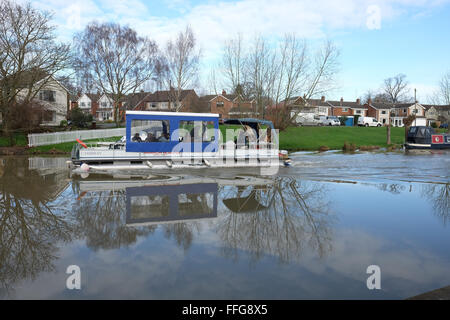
pixel 101 219
pixel 183 233
pixel 393 188
pixel 439 196
pixel 292 215
pixel 31 222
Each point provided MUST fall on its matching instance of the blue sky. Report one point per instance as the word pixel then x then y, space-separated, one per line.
pixel 377 38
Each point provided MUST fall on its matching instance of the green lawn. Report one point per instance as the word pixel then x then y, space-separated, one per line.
pixel 311 138
pixel 20 140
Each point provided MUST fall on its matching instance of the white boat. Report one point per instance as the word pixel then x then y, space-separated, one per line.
pixel 162 140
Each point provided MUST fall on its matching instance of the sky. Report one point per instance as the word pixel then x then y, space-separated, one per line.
pixel 377 38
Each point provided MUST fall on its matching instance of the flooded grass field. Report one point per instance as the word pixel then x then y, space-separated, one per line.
pixel 309 232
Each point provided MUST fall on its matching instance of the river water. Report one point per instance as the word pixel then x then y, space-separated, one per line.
pixel 308 232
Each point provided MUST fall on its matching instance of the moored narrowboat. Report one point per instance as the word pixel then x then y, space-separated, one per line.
pixel 421 137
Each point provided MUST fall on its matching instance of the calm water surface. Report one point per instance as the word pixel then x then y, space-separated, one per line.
pixel 308 232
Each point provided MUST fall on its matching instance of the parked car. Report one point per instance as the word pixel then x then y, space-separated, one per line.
pixel 309 120
pixel 444 125
pixel 331 121
pixel 369 122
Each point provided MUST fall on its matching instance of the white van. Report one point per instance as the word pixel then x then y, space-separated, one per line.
pixel 369 122
pixel 309 119
pixel 331 121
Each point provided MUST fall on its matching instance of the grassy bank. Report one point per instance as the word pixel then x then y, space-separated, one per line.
pixel 292 139
pixel 311 138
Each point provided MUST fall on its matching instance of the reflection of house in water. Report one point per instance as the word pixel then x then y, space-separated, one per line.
pixel 53 172
pixel 171 203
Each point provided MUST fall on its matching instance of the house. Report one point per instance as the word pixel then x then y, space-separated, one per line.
pixel 163 100
pixel 321 106
pixel 105 109
pixel 379 110
pixel 88 102
pixel 228 105
pixel 347 108
pixel 73 100
pixel 135 101
pixel 394 113
pixel 101 106
pixel 402 110
pixel 437 113
pixel 443 112
pixel 53 97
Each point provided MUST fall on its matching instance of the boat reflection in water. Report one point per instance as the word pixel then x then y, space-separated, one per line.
pixel 171 203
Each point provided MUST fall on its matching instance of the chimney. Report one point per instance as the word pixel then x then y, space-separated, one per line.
pixel 342 100
pixel 369 101
pixel 224 92
pixel 322 99
pixel 358 101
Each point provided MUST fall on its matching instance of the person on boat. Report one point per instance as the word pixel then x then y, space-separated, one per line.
pixel 151 138
pixel 165 137
pixel 136 138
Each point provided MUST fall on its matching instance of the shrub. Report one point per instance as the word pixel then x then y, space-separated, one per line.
pixel 323 148
pixel 349 147
pixel 434 125
pixel 343 119
pixel 63 123
pixel 79 118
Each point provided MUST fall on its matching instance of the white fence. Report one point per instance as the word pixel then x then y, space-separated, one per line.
pixel 42 139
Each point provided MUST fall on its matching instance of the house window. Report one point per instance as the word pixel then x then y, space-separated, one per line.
pixel 48 116
pixel 404 110
pixel 89 104
pixel 344 109
pixel 322 110
pixel 415 111
pixel 383 112
pixel 82 104
pixel 47 95
pixel 104 104
pixel 219 104
pixel 357 111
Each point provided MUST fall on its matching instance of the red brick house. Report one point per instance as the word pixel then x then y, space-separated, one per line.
pixel 228 105
pixel 347 108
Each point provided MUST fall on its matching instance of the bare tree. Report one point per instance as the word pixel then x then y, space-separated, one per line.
pixel 259 66
pixel 299 73
pixel 233 62
pixel 29 56
pixel 325 68
pixel 444 88
pixel 182 58
pixel 118 60
pixel 396 88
